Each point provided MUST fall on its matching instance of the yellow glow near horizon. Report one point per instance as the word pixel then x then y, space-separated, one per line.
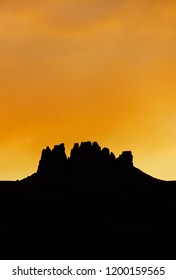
pixel 77 70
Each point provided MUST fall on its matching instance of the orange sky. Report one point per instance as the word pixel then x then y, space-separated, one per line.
pixel 75 70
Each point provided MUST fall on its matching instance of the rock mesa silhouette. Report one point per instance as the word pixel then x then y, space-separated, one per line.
pixel 90 205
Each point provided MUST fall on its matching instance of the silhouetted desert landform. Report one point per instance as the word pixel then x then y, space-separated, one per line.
pixel 90 205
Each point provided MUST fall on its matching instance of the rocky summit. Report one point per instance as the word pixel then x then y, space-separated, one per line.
pixel 84 155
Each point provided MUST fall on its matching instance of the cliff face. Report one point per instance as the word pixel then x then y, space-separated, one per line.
pixel 85 155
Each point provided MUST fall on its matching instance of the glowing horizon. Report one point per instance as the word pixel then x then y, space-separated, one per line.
pixel 73 71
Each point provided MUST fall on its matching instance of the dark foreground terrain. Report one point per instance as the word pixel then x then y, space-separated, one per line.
pixel 88 206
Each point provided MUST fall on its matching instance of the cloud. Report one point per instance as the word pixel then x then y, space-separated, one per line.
pixel 62 14
pixel 53 18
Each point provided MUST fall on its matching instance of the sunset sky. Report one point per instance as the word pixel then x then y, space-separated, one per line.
pixel 78 70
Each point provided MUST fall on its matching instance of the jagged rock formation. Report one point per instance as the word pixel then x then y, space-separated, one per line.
pixel 90 205
pixel 52 160
pixel 126 159
pixel 87 155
